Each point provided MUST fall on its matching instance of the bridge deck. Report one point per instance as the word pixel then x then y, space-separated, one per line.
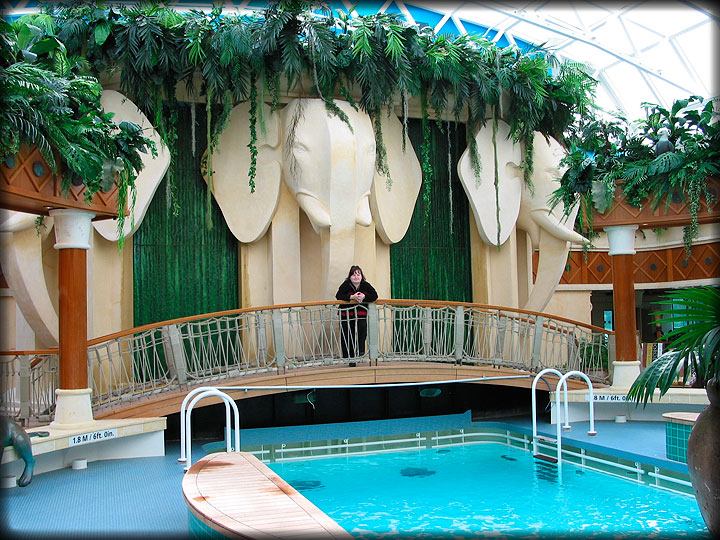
pixel 238 496
pixel 168 402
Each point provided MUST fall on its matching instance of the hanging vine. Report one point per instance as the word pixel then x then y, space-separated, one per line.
pixel 425 151
pixel 252 145
pixel 380 56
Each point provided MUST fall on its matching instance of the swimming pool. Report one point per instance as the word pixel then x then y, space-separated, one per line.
pixel 478 488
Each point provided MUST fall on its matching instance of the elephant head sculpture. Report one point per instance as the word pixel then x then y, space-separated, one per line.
pixel 23 260
pixel 328 167
pixel 148 178
pixel 515 204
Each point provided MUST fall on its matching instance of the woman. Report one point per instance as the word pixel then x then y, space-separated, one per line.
pixel 353 315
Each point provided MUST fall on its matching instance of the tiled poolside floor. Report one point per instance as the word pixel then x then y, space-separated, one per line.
pixel 130 498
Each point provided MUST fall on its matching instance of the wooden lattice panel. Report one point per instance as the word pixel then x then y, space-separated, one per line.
pixel 656 266
pixel 675 214
pixel 27 184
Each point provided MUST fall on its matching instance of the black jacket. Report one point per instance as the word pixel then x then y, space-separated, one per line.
pixel 347 288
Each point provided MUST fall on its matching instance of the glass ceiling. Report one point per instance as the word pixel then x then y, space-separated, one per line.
pixel 638 51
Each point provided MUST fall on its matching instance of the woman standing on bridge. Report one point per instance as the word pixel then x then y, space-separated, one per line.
pixel 353 316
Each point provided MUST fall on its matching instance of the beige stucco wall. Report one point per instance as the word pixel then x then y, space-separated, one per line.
pixel 573 305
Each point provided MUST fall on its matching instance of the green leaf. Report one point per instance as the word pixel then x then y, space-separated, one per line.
pixel 102 32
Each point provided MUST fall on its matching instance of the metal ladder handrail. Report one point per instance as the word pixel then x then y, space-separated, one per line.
pixel 186 415
pixel 591 431
pixel 562 383
pixel 534 403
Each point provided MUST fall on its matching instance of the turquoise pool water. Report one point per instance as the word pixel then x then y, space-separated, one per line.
pixel 475 489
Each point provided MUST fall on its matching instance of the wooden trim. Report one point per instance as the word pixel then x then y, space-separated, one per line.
pixel 672 215
pixel 31 186
pixel 662 265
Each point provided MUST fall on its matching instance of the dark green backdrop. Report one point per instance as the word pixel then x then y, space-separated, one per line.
pixel 181 267
pixel 432 262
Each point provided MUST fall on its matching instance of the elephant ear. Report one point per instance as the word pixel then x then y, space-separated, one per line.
pixel 149 177
pixel 392 206
pixel 481 192
pixel 247 214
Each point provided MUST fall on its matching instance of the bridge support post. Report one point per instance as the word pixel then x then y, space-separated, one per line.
pixel 174 353
pixel 262 346
pixel 73 408
pixel 278 339
pixel 459 333
pixel 427 332
pixel 373 332
pixel 24 386
pixel 537 341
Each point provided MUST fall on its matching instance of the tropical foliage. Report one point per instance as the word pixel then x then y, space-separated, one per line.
pixel 46 100
pixel 693 348
pixel 669 154
pixel 374 62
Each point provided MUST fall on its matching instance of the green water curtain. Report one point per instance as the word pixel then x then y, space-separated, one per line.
pixel 182 267
pixel 432 262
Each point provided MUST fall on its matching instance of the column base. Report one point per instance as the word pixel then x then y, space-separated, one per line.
pixel 624 374
pixel 73 409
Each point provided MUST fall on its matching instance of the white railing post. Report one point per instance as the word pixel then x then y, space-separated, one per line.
pixel 262 345
pixel 373 331
pixel 537 341
pixel 174 352
pixel 24 383
pixel 459 333
pixel 500 339
pixel 427 332
pixel 278 338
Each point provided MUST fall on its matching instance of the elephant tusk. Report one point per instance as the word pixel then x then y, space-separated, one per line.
pixel 316 211
pixel 548 222
pixel 363 217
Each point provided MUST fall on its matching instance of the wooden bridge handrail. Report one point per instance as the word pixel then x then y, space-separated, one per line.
pixel 393 301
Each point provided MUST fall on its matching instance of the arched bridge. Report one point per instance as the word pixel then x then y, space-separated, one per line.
pixel 146 371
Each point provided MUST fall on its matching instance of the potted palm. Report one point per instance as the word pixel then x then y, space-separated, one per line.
pixel 694 349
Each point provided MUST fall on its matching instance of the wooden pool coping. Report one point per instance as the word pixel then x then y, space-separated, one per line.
pixel 238 496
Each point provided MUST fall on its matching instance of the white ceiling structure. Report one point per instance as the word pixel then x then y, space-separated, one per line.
pixel 638 51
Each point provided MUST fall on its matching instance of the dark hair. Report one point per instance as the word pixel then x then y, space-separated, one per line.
pixel 353 268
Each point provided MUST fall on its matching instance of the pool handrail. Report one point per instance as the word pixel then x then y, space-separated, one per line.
pixel 591 431
pixel 534 403
pixel 187 420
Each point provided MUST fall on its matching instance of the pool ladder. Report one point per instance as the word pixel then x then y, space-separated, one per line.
pixel 562 383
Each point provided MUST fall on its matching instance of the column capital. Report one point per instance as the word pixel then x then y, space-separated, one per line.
pixel 621 239
pixel 72 228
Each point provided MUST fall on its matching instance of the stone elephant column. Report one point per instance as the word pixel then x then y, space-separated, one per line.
pixel 318 205
pixel 518 219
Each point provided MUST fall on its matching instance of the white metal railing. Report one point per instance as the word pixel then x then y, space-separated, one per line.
pixel 207 349
pixel 561 384
pixel 28 380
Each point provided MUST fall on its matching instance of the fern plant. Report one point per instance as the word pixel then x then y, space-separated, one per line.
pixel 605 153
pixel 47 102
pixel 380 57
